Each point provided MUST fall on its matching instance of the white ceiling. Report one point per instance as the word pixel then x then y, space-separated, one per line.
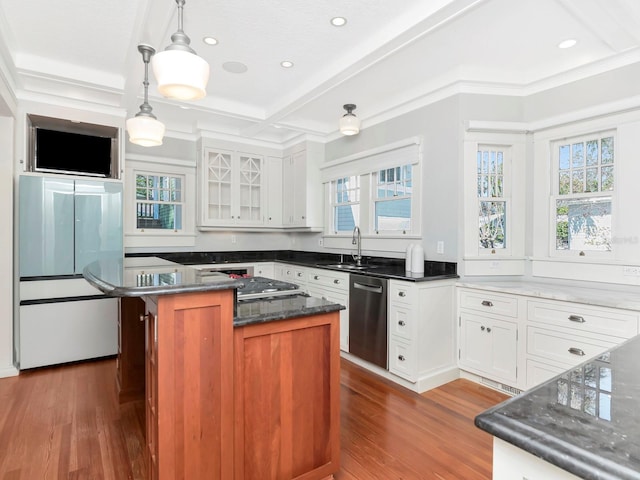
pixel 390 57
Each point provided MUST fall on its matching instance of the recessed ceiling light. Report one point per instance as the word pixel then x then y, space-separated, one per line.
pixel 234 67
pixel 210 40
pixel 286 64
pixel 568 43
pixel 338 21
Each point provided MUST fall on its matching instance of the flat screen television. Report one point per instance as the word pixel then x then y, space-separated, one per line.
pixel 65 147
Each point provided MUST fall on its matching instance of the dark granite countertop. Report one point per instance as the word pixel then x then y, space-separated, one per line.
pixel 139 276
pixel 586 421
pixel 281 308
pixel 393 268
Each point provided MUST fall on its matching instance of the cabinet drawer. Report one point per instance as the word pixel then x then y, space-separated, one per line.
pixel 401 322
pixel 295 275
pixel 401 292
pixel 584 319
pixel 402 359
pixel 489 302
pixel 539 372
pixel 325 278
pixel 568 348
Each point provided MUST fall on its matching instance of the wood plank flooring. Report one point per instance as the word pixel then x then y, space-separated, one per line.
pixel 65 423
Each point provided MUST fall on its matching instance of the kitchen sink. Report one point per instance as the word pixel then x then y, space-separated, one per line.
pixel 349 266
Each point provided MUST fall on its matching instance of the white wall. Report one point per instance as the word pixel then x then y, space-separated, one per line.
pixel 6 248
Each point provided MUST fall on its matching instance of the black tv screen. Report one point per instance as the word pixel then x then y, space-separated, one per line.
pixel 73 153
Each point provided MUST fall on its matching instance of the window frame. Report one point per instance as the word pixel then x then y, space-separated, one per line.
pixel 160 166
pixel 375 199
pixel 334 203
pixel 181 203
pixel 554 193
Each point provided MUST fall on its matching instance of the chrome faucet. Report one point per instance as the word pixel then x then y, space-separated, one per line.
pixel 357 240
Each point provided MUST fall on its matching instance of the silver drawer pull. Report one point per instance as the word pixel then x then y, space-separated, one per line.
pixel 299 274
pixel 144 317
pixel 336 281
pixel 315 277
pixel 577 318
pixel 576 351
pixel 488 329
pixel 482 328
pixel 402 323
pixel 487 303
pixel 402 294
pixel 401 358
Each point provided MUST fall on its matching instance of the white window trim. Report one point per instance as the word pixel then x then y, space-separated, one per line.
pixel 148 165
pixel 366 164
pixel 509 260
pixel 554 194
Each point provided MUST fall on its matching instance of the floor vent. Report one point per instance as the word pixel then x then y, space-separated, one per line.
pixel 501 386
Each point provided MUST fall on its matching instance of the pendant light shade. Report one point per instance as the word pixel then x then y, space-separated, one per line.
pixel 180 73
pixel 144 129
pixel 349 123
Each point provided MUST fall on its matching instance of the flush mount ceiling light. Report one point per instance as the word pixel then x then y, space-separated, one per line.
pixel 144 129
pixel 209 40
pixel 338 21
pixel 570 42
pixel 286 64
pixel 181 74
pixel 349 123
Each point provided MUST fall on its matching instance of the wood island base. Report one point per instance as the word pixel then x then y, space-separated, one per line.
pixel 254 402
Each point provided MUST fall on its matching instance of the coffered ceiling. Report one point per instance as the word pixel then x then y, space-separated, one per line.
pixel 391 55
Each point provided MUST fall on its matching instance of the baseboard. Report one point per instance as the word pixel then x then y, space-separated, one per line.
pixel 8 371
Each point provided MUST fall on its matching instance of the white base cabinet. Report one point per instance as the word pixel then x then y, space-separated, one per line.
pixel 422 332
pixel 512 463
pixel 332 286
pixel 52 333
pixel 522 341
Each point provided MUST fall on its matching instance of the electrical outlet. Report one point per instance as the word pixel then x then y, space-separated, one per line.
pixel 320 242
pixel 631 271
pixel 233 239
pixel 440 247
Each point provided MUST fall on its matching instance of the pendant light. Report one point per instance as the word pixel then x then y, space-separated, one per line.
pixel 349 123
pixel 180 73
pixel 144 129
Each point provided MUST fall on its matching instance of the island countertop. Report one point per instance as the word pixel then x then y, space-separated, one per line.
pixel 140 276
pixel 585 421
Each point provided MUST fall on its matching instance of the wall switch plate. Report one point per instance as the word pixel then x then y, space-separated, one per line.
pixel 320 242
pixel 440 247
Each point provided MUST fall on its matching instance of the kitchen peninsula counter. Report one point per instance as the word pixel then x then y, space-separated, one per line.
pixel 233 389
pixel 585 422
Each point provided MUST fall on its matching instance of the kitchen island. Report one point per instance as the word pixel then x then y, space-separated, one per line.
pixel 584 423
pixel 254 399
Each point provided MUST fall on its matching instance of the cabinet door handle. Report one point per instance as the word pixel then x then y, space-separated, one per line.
pixel 402 323
pixel 144 317
pixel 487 303
pixel 482 328
pixel 576 351
pixel 488 329
pixel 402 294
pixel 299 274
pixel 336 281
pixel 315 277
pixel 401 358
pixel 577 318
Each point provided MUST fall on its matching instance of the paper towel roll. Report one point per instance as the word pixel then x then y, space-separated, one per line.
pixel 408 257
pixel 417 259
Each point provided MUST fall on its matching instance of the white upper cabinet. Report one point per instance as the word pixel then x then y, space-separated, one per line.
pixel 233 189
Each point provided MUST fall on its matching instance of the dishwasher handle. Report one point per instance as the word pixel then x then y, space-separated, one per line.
pixel 368 288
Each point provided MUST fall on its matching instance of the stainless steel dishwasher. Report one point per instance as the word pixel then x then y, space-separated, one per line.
pixel 368 318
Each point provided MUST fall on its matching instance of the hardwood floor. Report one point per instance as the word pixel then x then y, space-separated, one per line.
pixel 65 423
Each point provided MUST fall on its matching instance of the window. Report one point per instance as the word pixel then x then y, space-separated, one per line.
pixel 392 209
pixel 159 202
pixel 345 194
pixel 492 198
pixel 583 190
